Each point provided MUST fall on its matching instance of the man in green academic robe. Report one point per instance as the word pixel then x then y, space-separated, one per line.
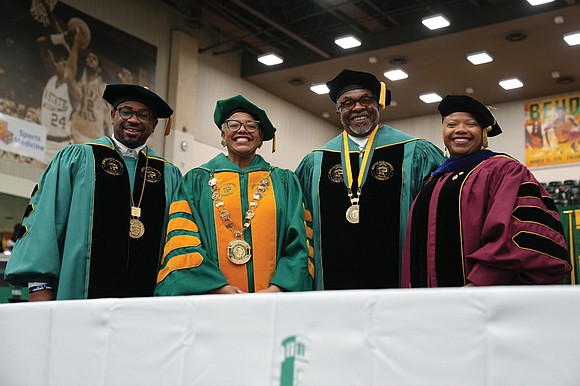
pixel 358 189
pixel 95 224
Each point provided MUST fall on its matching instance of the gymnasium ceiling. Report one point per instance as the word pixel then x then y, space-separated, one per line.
pixel 526 42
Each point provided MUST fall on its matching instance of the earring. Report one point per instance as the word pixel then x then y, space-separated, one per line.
pixel 446 152
pixel 223 143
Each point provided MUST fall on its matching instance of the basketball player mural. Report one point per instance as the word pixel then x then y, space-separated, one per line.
pixel 90 113
pixel 72 108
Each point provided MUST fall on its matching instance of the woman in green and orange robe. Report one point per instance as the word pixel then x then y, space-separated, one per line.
pixel 237 224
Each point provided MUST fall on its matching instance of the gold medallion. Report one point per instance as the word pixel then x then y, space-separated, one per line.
pixel 136 228
pixel 239 251
pixel 352 214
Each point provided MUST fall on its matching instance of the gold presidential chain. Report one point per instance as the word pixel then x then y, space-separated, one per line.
pixel 239 251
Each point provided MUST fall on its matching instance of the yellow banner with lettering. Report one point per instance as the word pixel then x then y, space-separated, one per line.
pixel 552 129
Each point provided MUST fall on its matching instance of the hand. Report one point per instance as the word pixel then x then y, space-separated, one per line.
pixel 271 288
pixel 469 285
pixel 227 289
pixel 41 296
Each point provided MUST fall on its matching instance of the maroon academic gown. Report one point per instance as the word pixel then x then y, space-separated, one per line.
pixel 486 221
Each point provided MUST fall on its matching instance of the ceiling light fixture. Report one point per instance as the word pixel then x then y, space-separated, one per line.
pixel 398 60
pixel 346 42
pixel 394 75
pixel 565 80
pixel 435 22
pixel 270 59
pixel 516 36
pixel 430 97
pixel 320 89
pixel 480 57
pixel 296 81
pixel 573 38
pixel 538 2
pixel 509 84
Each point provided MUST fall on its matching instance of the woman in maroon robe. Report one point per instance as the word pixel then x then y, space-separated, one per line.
pixel 482 219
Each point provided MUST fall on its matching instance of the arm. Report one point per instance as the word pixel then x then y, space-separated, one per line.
pixel 45 223
pixel 70 72
pixel 305 174
pixel 186 268
pixel 44 44
pixel 522 239
pixel 41 296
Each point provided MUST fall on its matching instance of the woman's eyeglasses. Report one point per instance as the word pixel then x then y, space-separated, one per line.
pixel 235 125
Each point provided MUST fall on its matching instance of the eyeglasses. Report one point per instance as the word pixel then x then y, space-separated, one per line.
pixel 364 101
pixel 234 125
pixel 144 116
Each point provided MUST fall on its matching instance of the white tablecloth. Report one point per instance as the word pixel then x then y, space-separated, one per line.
pixel 508 336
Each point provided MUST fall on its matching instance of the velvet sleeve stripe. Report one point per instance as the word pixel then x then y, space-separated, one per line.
pixel 549 203
pixel 309 232
pixel 540 244
pixel 28 211
pixel 529 189
pixel 36 189
pixel 185 261
pixel 179 207
pixel 538 216
pixel 22 231
pixel 311 267
pixel 180 241
pixel 307 215
pixel 181 223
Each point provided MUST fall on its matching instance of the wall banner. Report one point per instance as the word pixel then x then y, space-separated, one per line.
pixel 552 128
pixel 22 137
pixel 56 62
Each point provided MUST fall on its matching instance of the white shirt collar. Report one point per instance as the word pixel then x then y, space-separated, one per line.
pixel 361 142
pixel 126 151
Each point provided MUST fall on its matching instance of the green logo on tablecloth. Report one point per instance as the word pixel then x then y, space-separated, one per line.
pixel 296 354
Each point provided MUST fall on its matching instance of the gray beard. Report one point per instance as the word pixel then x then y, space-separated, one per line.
pixel 361 130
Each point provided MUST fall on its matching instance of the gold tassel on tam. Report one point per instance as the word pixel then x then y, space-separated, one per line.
pixel 484 143
pixel 383 95
pixel 168 125
pixel 273 143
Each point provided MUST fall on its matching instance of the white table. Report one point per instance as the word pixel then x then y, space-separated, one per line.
pixel 508 336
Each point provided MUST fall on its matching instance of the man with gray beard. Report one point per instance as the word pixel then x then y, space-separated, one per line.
pixel 358 189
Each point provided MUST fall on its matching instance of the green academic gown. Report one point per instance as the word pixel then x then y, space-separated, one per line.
pixel 366 254
pixel 75 232
pixel 196 261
